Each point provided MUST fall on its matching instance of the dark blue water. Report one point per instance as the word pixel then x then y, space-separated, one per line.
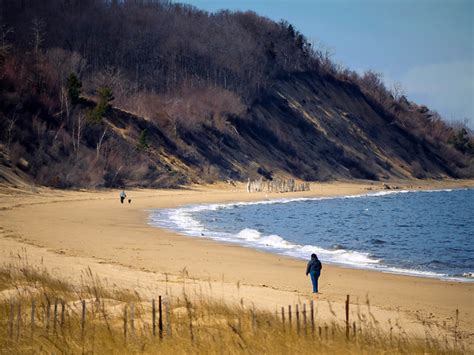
pixel 421 233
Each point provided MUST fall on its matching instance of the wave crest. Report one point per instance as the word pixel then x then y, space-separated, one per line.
pixel 182 221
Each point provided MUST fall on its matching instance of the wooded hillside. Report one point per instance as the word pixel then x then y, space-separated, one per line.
pixel 151 93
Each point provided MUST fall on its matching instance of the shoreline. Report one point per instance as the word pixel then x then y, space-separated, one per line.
pixel 194 230
pixel 68 231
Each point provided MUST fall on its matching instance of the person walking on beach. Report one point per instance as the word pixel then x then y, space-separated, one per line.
pixel 314 269
pixel 122 196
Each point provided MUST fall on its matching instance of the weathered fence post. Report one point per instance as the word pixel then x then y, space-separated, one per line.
pixel 289 315
pixel 48 314
pixel 63 306
pixel 153 317
pixel 125 323
pixel 160 319
pixel 297 319
pixel 283 317
pixel 347 317
pixel 312 317
pixel 83 318
pixel 55 315
pixel 304 319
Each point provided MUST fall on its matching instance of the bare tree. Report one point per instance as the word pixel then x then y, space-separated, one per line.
pixel 99 143
pixel 37 28
pixel 64 102
pixel 77 127
pixel 66 62
pixel 11 126
pixel 397 90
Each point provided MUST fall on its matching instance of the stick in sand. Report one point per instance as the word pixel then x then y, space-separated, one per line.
pixel 153 316
pixel 83 318
pixel 347 316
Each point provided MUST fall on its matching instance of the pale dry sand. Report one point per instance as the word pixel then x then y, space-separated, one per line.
pixel 69 231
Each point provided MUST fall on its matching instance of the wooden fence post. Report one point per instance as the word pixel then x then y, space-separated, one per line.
pixel 312 317
pixel 125 323
pixel 160 319
pixel 55 315
pixel 283 316
pixel 63 306
pixel 347 317
pixel 289 315
pixel 153 316
pixel 83 318
pixel 48 314
pixel 254 319
pixel 297 319
pixel 304 319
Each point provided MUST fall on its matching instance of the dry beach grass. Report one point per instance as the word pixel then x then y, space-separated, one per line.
pixel 41 314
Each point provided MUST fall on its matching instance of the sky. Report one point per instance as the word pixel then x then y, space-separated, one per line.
pixel 425 45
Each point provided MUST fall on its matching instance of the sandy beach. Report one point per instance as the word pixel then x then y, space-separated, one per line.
pixel 70 231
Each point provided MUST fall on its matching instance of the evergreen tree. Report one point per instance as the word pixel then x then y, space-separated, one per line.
pixel 143 140
pixel 103 105
pixel 74 87
pixel 461 141
pixel 105 94
pixel 291 31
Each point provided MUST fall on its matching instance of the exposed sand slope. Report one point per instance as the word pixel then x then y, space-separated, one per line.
pixel 69 231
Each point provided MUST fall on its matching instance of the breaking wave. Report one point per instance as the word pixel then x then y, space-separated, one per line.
pixel 183 221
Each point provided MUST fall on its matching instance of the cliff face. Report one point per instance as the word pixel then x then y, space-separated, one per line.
pixel 320 128
pixel 305 126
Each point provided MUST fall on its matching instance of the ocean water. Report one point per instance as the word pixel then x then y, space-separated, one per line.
pixel 423 233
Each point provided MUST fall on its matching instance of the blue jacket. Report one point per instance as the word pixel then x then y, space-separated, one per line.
pixel 314 265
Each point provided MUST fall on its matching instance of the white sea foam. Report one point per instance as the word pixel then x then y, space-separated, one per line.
pixel 182 220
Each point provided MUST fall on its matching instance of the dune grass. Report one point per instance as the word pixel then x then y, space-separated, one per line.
pixel 119 321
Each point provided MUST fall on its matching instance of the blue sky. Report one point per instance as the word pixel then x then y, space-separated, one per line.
pixel 426 45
